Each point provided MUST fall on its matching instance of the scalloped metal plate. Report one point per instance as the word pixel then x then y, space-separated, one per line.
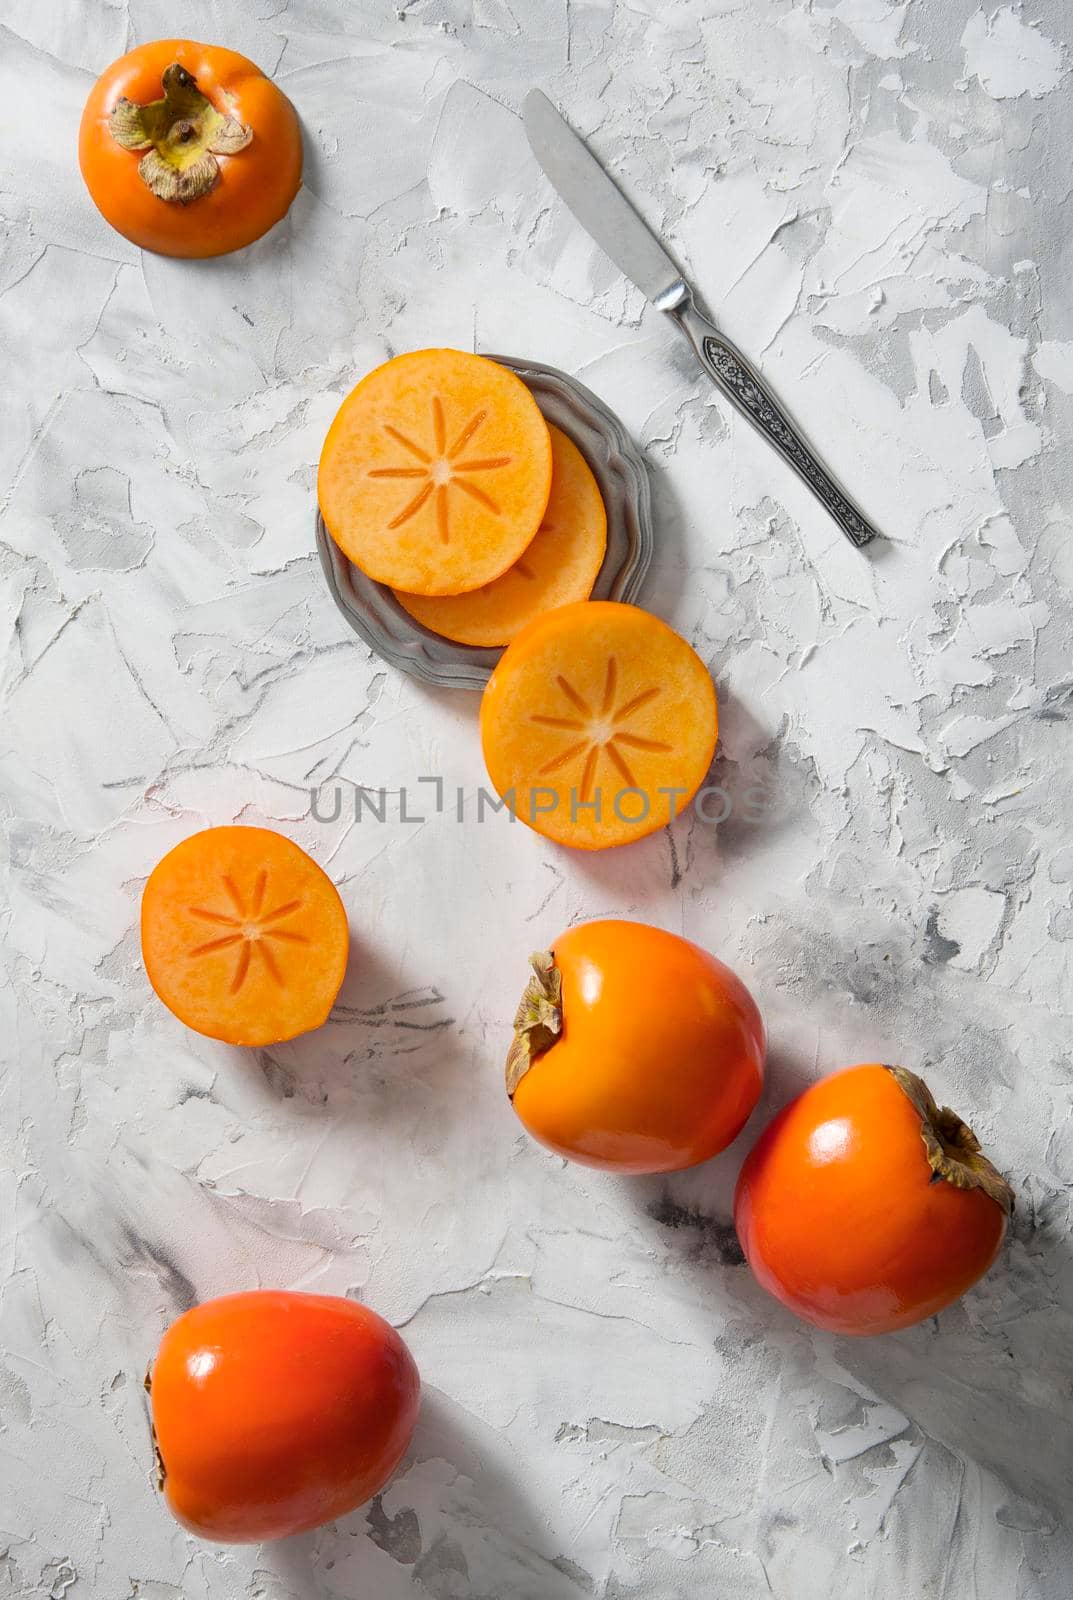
pixel 376 616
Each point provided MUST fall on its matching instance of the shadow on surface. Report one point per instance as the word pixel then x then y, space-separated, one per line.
pixel 987 1378
pixel 454 1519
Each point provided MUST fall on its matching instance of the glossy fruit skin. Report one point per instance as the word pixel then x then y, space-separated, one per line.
pixel 275 1412
pixel 661 1056
pixel 256 186
pixel 839 1218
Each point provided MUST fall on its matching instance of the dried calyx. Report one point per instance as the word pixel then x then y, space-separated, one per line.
pixel 953 1150
pixel 158 1460
pixel 539 1019
pixel 181 135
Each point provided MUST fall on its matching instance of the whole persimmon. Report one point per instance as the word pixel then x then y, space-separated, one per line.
pixel 634 1050
pixel 275 1412
pixel 188 149
pixel 864 1207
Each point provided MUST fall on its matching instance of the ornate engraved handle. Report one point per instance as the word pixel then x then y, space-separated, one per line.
pixel 735 377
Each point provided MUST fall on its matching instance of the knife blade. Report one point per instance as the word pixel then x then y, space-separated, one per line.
pixel 600 207
pixel 611 220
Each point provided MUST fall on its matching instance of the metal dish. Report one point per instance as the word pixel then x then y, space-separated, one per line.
pixel 376 616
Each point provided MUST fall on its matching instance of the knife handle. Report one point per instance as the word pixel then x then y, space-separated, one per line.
pixel 736 378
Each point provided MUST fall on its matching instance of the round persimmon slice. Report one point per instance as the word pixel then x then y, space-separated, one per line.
pixel 559 566
pixel 244 937
pixel 598 724
pixel 436 471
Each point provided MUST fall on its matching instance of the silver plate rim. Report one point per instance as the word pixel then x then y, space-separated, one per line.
pixel 374 614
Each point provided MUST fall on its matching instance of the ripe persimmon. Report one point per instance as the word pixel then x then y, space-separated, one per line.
pixel 598 724
pixel 274 1412
pixel 864 1207
pixel 244 937
pixel 188 149
pixel 435 473
pixel 558 567
pixel 634 1050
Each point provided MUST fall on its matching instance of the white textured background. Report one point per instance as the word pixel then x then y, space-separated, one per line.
pixel 874 199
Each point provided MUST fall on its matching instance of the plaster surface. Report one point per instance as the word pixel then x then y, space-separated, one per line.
pixel 873 198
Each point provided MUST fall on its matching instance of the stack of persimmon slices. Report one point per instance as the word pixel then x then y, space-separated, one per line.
pixel 441 478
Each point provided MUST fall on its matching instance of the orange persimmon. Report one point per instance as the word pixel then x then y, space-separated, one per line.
pixel 436 471
pixel 864 1207
pixel 188 149
pixel 560 566
pixel 598 724
pixel 634 1050
pixel 274 1412
pixel 244 937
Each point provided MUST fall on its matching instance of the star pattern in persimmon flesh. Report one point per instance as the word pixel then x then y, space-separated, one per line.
pixel 246 929
pixel 440 470
pixel 604 731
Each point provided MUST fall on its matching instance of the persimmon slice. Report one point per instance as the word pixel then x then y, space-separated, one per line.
pixel 598 724
pixel 559 566
pixel 436 471
pixel 244 937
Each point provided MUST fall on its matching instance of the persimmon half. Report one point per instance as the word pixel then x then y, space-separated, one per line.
pixel 864 1207
pixel 598 724
pixel 435 473
pixel 188 149
pixel 274 1412
pixel 558 567
pixel 634 1050
pixel 244 937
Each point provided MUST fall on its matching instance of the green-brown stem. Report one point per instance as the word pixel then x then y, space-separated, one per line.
pixel 539 1019
pixel 181 135
pixel 953 1150
pixel 158 1459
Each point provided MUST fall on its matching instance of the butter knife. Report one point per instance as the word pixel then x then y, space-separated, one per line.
pixel 606 214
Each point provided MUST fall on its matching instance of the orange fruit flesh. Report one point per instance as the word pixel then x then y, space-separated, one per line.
pixel 560 566
pixel 436 472
pixel 592 711
pixel 244 937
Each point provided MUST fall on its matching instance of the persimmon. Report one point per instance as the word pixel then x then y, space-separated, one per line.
pixel 188 149
pixel 598 724
pixel 435 473
pixel 558 567
pixel 274 1412
pixel 244 937
pixel 864 1207
pixel 634 1050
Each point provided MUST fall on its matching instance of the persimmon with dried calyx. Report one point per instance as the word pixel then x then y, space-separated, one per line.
pixel 634 1050
pixel 244 937
pixel 274 1412
pixel 435 473
pixel 865 1207
pixel 188 149
pixel 558 567
pixel 598 724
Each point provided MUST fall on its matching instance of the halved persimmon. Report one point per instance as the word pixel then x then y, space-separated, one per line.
pixel 598 724
pixel 188 149
pixel 436 472
pixel 559 567
pixel 244 937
